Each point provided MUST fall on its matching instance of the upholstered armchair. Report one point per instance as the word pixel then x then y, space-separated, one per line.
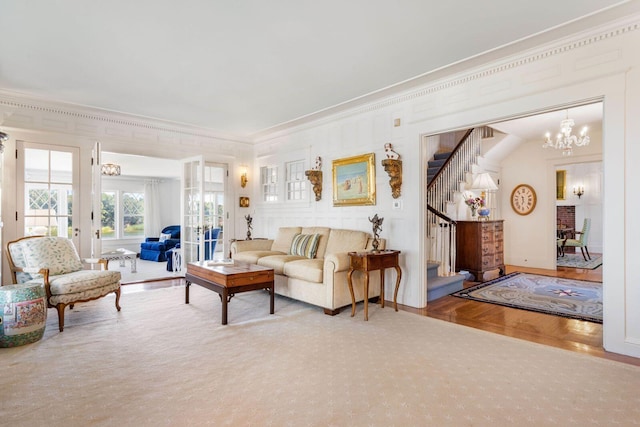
pixel 155 248
pixel 582 240
pixel 54 262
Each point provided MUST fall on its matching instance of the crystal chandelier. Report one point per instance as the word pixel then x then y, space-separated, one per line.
pixel 110 169
pixel 564 140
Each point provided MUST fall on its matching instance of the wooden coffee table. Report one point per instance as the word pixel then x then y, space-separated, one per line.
pixel 228 280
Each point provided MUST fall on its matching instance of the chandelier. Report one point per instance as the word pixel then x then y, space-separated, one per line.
pixel 564 140
pixel 110 169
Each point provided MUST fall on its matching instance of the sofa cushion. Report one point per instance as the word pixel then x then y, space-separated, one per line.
pixel 324 237
pixel 305 245
pixel 305 269
pixel 346 241
pixel 277 262
pixel 283 240
pixel 252 257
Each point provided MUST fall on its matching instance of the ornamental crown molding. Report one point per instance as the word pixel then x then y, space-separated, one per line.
pixel 20 102
pixel 430 83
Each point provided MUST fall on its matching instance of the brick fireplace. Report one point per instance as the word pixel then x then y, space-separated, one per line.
pixel 566 217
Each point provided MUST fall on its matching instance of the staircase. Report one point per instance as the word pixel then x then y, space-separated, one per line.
pixel 445 175
pixel 439 286
pixel 433 166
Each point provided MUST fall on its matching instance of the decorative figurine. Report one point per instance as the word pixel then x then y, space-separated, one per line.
pixel 249 226
pixel 388 151
pixel 377 228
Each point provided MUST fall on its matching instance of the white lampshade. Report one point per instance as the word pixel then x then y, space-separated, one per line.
pixel 484 182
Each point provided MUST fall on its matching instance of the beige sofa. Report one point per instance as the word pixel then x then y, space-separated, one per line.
pixel 320 280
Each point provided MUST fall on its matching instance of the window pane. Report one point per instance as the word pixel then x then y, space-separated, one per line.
pixel 108 215
pixel 132 214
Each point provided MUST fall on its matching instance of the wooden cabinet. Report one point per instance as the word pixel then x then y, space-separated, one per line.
pixel 480 247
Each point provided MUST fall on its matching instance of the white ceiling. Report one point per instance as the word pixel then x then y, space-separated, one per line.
pixel 240 67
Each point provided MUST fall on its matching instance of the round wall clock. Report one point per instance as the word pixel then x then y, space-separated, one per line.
pixel 523 199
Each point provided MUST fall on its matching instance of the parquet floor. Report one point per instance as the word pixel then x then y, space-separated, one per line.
pixel 569 334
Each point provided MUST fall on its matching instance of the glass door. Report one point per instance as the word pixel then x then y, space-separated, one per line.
pixel 202 210
pixel 47 194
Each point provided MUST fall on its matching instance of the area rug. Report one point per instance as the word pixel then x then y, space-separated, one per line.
pixel 160 362
pixel 576 299
pixel 577 261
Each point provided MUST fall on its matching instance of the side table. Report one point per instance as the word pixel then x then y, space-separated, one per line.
pixel 370 261
pixel 23 314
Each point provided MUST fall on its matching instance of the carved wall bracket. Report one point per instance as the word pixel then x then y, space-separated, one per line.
pixel 393 167
pixel 315 177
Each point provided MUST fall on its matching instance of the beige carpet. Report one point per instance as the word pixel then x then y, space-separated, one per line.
pixel 160 362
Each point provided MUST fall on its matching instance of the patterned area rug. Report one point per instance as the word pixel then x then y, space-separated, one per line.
pixel 577 261
pixel 575 299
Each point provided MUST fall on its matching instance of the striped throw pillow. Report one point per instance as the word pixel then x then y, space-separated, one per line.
pixel 305 245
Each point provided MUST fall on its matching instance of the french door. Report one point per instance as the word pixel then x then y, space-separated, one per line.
pixel 47 193
pixel 202 210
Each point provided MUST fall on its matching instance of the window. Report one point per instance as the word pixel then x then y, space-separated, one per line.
pixel 269 181
pixel 122 214
pixel 295 182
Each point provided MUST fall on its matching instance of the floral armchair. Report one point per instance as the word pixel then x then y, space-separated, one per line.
pixel 54 262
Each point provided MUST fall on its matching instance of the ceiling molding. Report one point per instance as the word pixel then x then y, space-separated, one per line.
pixel 369 103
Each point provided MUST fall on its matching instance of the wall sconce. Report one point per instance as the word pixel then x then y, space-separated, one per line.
pixel 243 177
pixel 110 169
pixel 578 191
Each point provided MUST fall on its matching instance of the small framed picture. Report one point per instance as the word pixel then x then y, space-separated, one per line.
pixel 244 202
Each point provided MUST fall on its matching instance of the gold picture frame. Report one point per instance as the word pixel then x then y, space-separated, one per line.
pixel 354 181
pixel 561 184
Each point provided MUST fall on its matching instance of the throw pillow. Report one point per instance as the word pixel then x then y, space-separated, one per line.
pixel 164 236
pixel 305 245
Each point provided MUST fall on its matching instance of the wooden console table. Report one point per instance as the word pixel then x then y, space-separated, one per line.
pixel 370 261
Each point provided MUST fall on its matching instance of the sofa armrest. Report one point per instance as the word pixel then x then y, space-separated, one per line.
pixel 251 245
pixel 340 261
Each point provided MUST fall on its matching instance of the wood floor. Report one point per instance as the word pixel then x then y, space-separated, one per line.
pixel 569 334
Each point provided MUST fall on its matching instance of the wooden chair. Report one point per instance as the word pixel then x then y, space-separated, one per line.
pixel 582 240
pixel 54 262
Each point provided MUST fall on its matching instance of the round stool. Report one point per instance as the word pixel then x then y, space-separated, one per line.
pixel 23 314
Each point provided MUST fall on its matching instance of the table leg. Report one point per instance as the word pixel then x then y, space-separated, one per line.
pixel 366 295
pixel 186 292
pixel 133 264
pixel 353 297
pixel 272 292
pixel 382 287
pixel 395 294
pixel 121 262
pixel 225 302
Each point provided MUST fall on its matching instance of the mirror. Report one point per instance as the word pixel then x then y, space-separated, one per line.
pixel 561 184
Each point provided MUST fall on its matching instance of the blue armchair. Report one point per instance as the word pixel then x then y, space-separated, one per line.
pixel 211 239
pixel 155 248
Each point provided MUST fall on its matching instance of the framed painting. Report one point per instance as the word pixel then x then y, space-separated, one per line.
pixel 354 181
pixel 561 184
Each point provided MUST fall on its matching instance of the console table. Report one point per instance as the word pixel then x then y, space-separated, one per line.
pixel 371 261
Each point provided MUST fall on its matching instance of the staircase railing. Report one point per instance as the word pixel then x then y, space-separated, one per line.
pixel 441 229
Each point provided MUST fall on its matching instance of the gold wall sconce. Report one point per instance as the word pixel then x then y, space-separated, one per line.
pixel 244 202
pixel 243 177
pixel 393 167
pixel 315 177
pixel 578 191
